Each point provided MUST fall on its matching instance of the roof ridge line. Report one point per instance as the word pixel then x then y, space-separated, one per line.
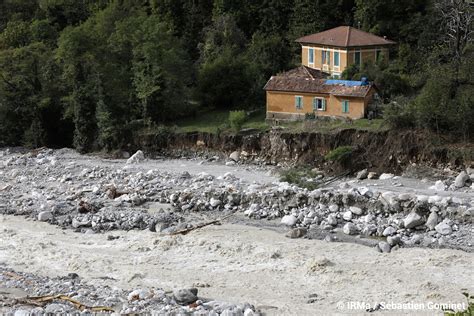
pixel 308 72
pixel 348 36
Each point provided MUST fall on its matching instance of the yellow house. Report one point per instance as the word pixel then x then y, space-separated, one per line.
pixel 314 87
pixel 334 50
pixel 295 93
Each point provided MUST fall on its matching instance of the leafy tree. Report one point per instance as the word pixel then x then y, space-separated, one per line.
pixel 224 82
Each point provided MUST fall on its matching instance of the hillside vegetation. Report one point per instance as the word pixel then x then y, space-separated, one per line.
pixel 87 73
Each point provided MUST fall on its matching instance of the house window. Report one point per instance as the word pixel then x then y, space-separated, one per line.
pixel 326 57
pixel 357 58
pixel 336 59
pixel 299 102
pixel 378 54
pixel 311 55
pixel 345 106
pixel 319 104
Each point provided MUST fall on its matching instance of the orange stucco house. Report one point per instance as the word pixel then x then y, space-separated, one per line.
pixel 314 87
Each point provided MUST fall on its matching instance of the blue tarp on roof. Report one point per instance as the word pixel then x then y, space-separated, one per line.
pixel 347 83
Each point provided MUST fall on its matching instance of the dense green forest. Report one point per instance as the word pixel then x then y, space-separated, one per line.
pixel 84 73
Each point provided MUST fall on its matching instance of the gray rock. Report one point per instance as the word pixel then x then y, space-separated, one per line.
pixel 333 208
pixel 332 220
pixel 235 156
pixel 350 229
pixel 347 215
pixel 138 294
pixel 185 296
pixel 443 228
pixel 385 247
pixel 432 220
pixel 361 175
pixel 386 176
pixel 296 232
pixel 412 220
pixel 393 240
pixel 45 216
pixel 461 179
pixel 289 220
pixel 214 202
pixel 389 231
pixel 356 210
pixel 372 175
pixel 136 157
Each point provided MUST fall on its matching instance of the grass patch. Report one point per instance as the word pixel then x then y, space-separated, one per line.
pixel 339 154
pixel 303 177
pixel 218 121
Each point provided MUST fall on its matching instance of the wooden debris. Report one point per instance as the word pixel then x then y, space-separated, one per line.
pixel 85 207
pixel 112 193
pixel 187 230
pixel 44 300
pixel 6 187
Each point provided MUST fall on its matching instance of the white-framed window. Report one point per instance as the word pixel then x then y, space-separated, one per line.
pixel 345 106
pixel 325 57
pixel 311 55
pixel 336 59
pixel 319 104
pixel 299 102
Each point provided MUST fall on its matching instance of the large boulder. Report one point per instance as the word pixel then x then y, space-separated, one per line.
pixel 386 176
pixel 136 157
pixel 461 179
pixel 45 216
pixel 235 156
pixel 443 228
pixel 350 229
pixel 185 296
pixel 412 220
pixel 289 220
pixel 432 220
pixel 361 175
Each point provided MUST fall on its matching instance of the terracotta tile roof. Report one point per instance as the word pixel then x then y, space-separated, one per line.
pixel 305 72
pixel 301 80
pixel 344 36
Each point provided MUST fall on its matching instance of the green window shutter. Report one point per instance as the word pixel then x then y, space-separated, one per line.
pixel 324 104
pixel 299 102
pixel 315 104
pixel 345 106
pixel 336 59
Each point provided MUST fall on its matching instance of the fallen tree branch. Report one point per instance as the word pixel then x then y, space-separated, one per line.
pixel 187 230
pixel 44 300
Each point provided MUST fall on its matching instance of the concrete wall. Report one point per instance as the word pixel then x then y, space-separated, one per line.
pixel 281 105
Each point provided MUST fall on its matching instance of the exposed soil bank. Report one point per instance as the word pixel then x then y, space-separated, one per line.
pixel 380 151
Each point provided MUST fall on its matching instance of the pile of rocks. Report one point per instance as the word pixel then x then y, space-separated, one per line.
pixel 152 300
pixel 87 198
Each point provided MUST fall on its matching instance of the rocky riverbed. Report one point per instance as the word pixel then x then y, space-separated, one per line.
pixel 106 198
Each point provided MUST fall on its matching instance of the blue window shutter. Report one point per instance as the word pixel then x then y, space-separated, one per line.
pixel 311 56
pixel 336 58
